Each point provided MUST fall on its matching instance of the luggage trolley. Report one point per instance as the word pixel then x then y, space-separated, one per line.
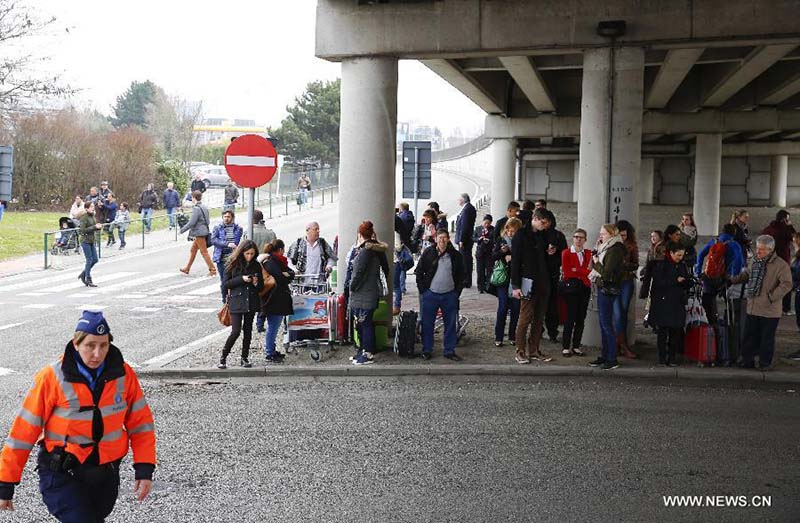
pixel 313 324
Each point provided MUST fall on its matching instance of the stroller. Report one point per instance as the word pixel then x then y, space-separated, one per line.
pixel 66 238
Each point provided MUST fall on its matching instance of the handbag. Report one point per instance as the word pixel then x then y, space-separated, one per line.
pixel 611 289
pixel 569 287
pixel 406 260
pixel 499 275
pixel 269 283
pixel 224 315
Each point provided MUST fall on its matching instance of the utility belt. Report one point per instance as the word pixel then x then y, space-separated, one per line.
pixel 60 461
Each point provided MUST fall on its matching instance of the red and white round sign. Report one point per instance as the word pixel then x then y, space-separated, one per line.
pixel 251 160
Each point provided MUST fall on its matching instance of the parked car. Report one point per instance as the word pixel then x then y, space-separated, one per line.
pixel 213 175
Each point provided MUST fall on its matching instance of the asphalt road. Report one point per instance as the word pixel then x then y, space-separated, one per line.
pixel 458 450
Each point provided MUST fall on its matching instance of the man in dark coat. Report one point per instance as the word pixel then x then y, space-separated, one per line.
pixel 782 230
pixel 482 237
pixel 465 223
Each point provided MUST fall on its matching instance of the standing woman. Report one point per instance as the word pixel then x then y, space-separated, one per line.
pixel 505 302
pixel 88 228
pixel 628 286
pixel 668 299
pixel 689 238
pixel 199 229
pixel 575 267
pixel 278 303
pixel 654 253
pixel 608 267
pixel 740 218
pixel 80 449
pixel 365 288
pixel 242 280
pixel 428 229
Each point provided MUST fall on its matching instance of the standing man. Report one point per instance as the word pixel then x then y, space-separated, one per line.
pixel 555 242
pixel 111 207
pixel 782 231
pixel 530 281
pixel 484 244
pixel 198 184
pixel 440 279
pixel 407 216
pixel 147 202
pixel 511 212
pixel 312 256
pixel 172 200
pixel 225 238
pixel 92 196
pixel 104 190
pixel 231 196
pixel 465 224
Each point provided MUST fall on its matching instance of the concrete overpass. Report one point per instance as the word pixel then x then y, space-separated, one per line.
pixel 617 113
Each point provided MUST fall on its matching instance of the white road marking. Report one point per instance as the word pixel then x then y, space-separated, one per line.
pixel 181 298
pixel 133 283
pixel 37 280
pixel 164 290
pixel 99 279
pixel 90 307
pixel 39 306
pixel 32 294
pixel 10 326
pixel 203 291
pixel 200 311
pixel 146 309
pixel 132 296
pixel 82 295
pixel 5 372
pixel 168 357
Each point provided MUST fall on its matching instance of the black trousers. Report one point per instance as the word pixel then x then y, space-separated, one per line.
pixel 670 343
pixel 466 254
pixel 552 320
pixel 577 304
pixel 483 266
pixel 236 328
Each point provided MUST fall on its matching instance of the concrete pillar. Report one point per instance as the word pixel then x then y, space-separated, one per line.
pixel 575 178
pixel 367 155
pixel 504 175
pixel 707 183
pixel 778 180
pixel 646 180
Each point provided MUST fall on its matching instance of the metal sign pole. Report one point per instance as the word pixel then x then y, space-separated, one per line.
pixel 416 183
pixel 251 211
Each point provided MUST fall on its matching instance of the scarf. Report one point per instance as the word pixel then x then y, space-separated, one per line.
pixel 601 253
pixel 756 280
pixel 281 259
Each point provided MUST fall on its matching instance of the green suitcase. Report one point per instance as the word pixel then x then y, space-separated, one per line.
pixel 383 323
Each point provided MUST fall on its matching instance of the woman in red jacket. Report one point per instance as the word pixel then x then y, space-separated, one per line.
pixel 576 289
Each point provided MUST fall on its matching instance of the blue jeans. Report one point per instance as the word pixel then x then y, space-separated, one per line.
pixel 273 324
pixel 171 214
pixel 505 303
pixel 622 305
pixel 448 303
pixel 759 339
pixel 399 283
pixel 365 327
pixel 147 217
pixel 90 253
pixel 606 306
pixel 221 272
pixel 303 196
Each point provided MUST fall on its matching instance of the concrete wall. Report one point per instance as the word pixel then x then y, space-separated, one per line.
pixel 477 165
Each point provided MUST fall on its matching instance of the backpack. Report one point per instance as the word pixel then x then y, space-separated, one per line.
pixel 714 266
pixel 416 238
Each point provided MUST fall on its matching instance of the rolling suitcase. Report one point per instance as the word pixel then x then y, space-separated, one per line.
pixel 382 319
pixel 700 344
pixel 343 331
pixel 728 346
pixel 405 336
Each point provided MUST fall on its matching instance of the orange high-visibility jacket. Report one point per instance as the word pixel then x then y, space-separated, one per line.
pixel 60 411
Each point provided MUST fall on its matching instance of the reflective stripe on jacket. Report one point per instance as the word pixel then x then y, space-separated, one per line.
pixel 60 410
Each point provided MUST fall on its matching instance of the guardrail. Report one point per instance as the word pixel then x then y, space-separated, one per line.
pixel 66 242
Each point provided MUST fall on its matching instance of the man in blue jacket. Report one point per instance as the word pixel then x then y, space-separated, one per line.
pixel 225 237
pixel 172 200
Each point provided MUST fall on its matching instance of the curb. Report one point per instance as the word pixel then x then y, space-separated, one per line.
pixel 689 374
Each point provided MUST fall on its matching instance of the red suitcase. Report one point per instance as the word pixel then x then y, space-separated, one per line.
pixel 700 344
pixel 342 328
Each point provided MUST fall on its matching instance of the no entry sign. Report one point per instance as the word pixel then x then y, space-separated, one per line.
pixel 251 160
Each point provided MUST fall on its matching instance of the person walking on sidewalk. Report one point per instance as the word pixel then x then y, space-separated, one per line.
pixel 668 298
pixel 198 227
pixel 172 200
pixel 484 244
pixel 465 225
pixel 608 268
pixel 530 281
pixel 242 283
pixel 576 289
pixel 627 287
pixel 225 238
pixel 88 227
pixel 148 201
pixel 365 288
pixel 769 280
pixel 440 280
pixel 278 303
pixel 121 222
pixel 501 255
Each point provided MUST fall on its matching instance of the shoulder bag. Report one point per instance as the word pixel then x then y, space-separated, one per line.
pixel 269 283
pixel 224 315
pixel 499 275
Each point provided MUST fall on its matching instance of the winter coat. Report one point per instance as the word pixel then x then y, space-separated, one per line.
pixel 243 297
pixel 219 242
pixel 87 227
pixel 484 241
pixel 465 224
pixel 408 220
pixel 529 260
pixel 612 268
pixel 429 262
pixel 148 200
pixel 231 194
pixel 122 220
pixel 777 283
pixel 782 233
pixel 111 212
pixel 199 223
pixel 734 257
pixel 668 297
pixel 198 185
pixel 742 237
pixel 280 298
pixel 171 199
pixel 365 282
pixel 262 235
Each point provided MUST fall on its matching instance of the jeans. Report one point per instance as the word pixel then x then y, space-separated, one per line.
pixel 448 303
pixel 606 306
pixel 577 304
pixel 171 214
pixel 90 253
pixel 670 341
pixel 759 339
pixel 531 315
pixel 237 321
pixel 399 285
pixel 147 217
pixel 506 303
pixel 303 196
pixel 622 305
pixel 466 254
pixel 365 328
pixel 221 272
pixel 121 236
pixel 273 324
pixel 797 307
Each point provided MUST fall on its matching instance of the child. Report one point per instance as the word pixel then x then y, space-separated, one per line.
pixel 121 222
pixel 111 216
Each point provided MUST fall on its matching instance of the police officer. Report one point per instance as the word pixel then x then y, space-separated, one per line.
pixel 90 407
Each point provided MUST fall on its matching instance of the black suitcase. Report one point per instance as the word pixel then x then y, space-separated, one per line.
pixel 728 345
pixel 405 336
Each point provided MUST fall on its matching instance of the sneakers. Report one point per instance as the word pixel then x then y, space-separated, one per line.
pixel 795 356
pixel 363 360
pixel 609 365
pixel 222 365
pixel 274 358
pixel 246 363
pixel 522 361
pixel 498 344
pixel 597 363
pixel 427 356
pixel 577 352
pixel 453 357
pixel 566 353
pixel 788 313
pixel 541 356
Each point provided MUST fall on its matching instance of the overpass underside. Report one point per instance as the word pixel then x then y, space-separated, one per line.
pixel 691 102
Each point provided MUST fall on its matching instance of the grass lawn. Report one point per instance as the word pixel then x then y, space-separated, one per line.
pixel 22 233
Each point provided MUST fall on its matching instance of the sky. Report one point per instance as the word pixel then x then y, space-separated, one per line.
pixel 244 59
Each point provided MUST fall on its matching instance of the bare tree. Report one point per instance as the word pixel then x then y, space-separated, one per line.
pixel 171 121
